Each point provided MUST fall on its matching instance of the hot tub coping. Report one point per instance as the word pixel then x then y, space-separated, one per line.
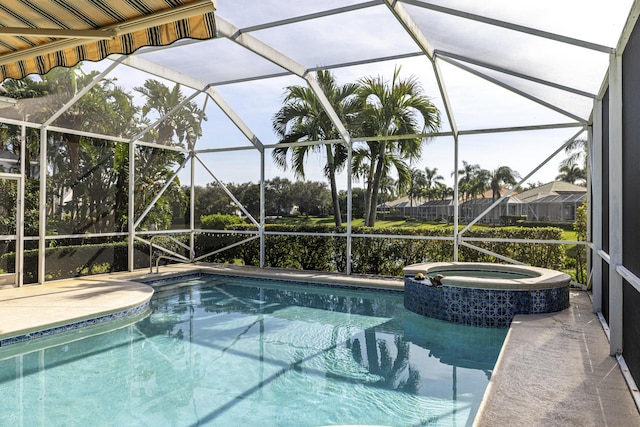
pixel 541 278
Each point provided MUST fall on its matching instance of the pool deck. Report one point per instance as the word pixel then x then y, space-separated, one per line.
pixel 554 369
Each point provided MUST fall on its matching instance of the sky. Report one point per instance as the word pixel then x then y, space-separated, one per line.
pixel 256 103
pixel 476 103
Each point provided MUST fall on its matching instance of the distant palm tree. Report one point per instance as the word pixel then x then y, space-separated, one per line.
pixel 480 182
pixel 501 177
pixel 572 174
pixel 466 177
pixel 417 185
pixel 389 109
pixel 388 189
pixel 442 191
pixel 303 118
pixel 433 181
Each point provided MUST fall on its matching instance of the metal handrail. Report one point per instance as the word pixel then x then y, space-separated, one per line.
pixel 192 253
pixel 166 257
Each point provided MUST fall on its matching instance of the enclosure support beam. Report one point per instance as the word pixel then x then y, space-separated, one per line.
pixel 42 205
pixel 514 90
pixel 272 55
pixel 595 156
pixel 20 209
pixel 615 204
pixel 161 192
pixel 512 26
pixel 231 196
pixel 262 209
pixel 349 205
pixel 198 85
pixel 456 156
pixel 234 117
pixel 444 54
pixel 82 92
pixel 131 207
pixel 412 28
pixel 522 181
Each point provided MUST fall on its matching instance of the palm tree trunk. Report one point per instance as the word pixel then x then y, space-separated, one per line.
pixel 73 149
pixel 376 187
pixel 334 188
pixel 367 194
pixel 337 215
pixel 367 203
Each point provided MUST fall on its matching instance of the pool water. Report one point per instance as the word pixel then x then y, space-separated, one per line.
pixel 242 352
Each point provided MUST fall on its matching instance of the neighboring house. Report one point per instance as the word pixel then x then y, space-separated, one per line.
pixel 555 201
pixel 431 210
pixel 438 210
pixel 400 207
pixel 471 209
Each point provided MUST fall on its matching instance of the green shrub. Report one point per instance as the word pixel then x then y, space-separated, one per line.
pixel 220 221
pixel 580 261
pixel 384 256
pixel 64 262
pixel 327 252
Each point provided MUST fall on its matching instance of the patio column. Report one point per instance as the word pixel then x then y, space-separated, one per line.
pixel 42 205
pixel 20 209
pixel 615 203
pixel 131 207
pixel 192 206
pixel 349 204
pixel 262 208
pixel 595 202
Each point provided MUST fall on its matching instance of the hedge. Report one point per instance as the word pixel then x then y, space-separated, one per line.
pixel 381 256
pixel 64 262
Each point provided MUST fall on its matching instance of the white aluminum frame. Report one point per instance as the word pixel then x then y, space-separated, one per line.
pixel 242 37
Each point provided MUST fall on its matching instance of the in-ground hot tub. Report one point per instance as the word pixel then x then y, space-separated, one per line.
pixel 483 294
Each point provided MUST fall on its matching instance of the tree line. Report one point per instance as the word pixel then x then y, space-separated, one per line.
pixel 88 177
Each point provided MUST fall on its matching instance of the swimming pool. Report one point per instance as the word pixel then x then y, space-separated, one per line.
pixel 244 352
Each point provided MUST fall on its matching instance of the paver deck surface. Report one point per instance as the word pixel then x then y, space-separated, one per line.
pixel 555 370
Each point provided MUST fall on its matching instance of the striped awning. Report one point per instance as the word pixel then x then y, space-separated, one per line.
pixel 38 35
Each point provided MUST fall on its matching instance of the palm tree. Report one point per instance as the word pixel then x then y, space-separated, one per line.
pixel 390 109
pixel 388 189
pixel 501 177
pixel 572 174
pixel 577 153
pixel 362 168
pixel 480 183
pixel 303 118
pixel 442 191
pixel 433 181
pixel 417 185
pixel 466 178
pixel 184 125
